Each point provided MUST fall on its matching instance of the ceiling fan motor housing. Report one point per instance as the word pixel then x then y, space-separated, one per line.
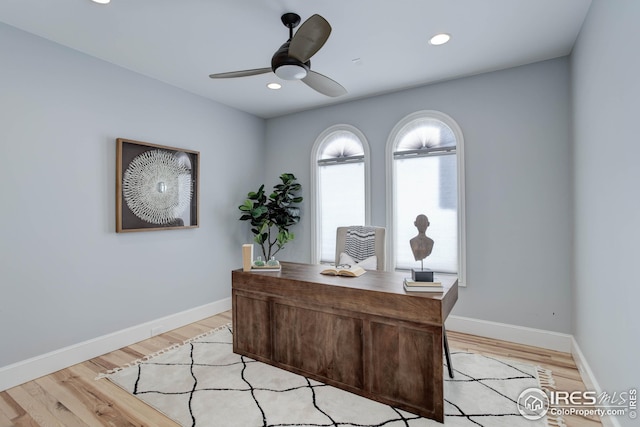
pixel 286 67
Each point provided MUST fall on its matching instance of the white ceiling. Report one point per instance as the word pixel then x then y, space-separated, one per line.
pixel 181 42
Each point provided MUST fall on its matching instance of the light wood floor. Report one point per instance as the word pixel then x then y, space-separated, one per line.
pixel 72 397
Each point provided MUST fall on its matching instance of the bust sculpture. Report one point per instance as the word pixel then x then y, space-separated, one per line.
pixel 421 245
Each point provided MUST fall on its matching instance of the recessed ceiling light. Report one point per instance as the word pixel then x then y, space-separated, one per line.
pixel 439 39
pixel 274 86
pixel 101 1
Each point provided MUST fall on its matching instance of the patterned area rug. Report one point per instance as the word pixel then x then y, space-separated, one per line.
pixel 204 384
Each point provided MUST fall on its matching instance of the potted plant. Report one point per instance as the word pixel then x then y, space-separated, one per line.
pixel 270 217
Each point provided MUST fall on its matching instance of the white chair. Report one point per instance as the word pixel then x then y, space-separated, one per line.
pixel 378 247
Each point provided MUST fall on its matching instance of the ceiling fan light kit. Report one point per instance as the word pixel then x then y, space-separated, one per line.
pixel 292 60
pixel 291 72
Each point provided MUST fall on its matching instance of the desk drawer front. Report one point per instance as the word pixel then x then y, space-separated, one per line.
pixel 252 333
pixel 320 343
pixel 405 364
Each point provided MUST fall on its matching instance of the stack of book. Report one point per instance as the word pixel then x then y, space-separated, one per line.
pixel 413 286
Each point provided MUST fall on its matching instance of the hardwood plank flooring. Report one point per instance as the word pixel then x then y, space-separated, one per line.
pixel 72 397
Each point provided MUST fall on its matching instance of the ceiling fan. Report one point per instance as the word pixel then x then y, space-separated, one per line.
pixel 291 60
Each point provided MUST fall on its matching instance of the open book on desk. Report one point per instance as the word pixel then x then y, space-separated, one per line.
pixel 353 271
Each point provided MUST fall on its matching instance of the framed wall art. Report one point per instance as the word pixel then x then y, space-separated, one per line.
pixel 157 187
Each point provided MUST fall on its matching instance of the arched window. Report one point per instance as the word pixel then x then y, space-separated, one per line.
pixel 426 176
pixel 340 185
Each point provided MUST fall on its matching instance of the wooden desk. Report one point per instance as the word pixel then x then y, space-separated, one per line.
pixel 365 335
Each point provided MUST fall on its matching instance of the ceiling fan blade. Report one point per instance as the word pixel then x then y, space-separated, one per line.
pixel 243 73
pixel 311 36
pixel 324 84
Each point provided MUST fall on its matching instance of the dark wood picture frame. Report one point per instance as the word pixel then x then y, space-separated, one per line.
pixel 157 187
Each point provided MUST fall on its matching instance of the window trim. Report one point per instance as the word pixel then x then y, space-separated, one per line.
pixel 391 178
pixel 315 194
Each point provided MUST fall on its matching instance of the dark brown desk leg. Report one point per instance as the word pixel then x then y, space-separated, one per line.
pixel 446 352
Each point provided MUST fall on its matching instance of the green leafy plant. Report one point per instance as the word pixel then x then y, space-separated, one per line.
pixel 270 217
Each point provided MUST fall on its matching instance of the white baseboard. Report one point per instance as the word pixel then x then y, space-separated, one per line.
pixel 518 334
pixel 583 367
pixel 589 380
pixel 35 367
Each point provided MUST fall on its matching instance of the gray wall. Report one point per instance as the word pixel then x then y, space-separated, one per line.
pixel 65 275
pixel 516 125
pixel 605 68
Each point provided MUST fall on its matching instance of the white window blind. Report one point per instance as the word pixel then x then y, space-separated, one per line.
pixel 427 185
pixel 340 186
pixel 342 198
